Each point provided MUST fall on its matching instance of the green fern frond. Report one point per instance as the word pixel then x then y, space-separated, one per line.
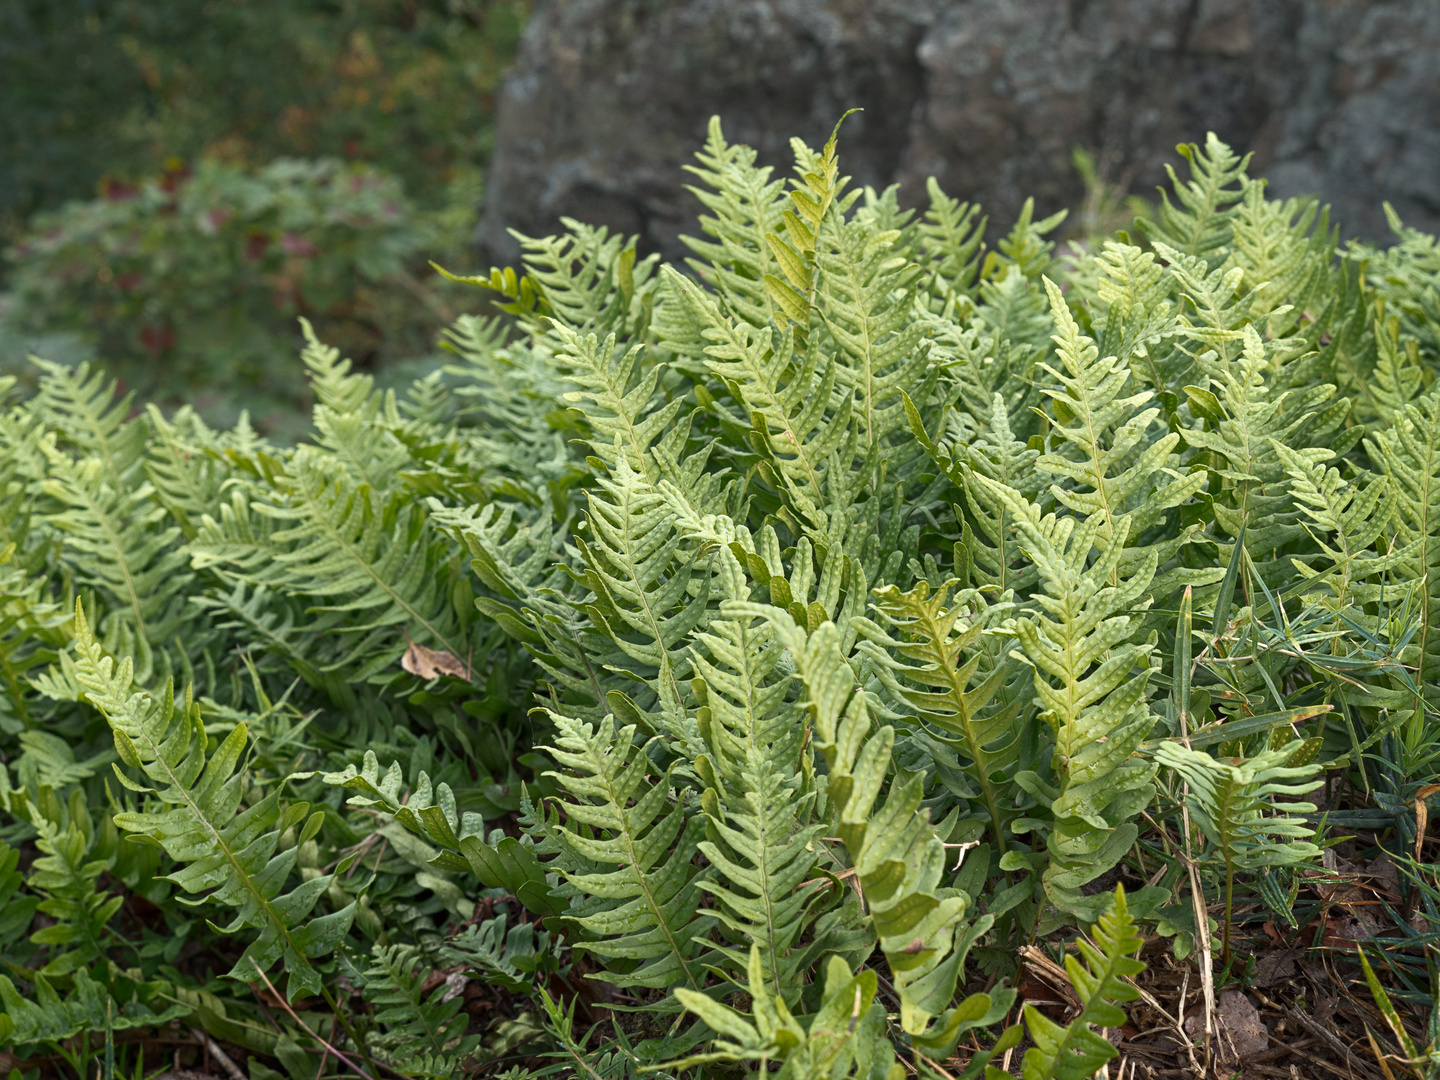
pixel 1408 453
pixel 230 858
pixel 425 1034
pixel 66 876
pixel 799 417
pixel 1199 221
pixel 625 851
pixel 82 407
pixel 759 804
pixel 120 542
pixel 186 467
pixel 940 668
pixel 1107 450
pixel 1024 248
pixel 592 282
pixel 616 395
pixel 817 190
pixel 1346 519
pixel 844 1038
pixel 745 207
pixel 892 845
pixel 952 239
pixel 48 1019
pixel 867 298
pixel 335 387
pixel 1090 683
pixel 371 569
pixel 1100 976
pixel 1233 804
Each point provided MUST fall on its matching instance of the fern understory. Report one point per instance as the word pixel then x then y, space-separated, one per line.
pixel 728 668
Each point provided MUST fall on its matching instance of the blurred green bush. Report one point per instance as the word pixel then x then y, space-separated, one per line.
pixel 336 147
pixel 116 87
pixel 190 285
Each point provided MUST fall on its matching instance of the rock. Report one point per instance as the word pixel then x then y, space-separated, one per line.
pixel 609 99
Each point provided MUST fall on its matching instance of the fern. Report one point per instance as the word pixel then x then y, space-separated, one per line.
pixel 892 845
pixel 228 856
pixel 1076 1051
pixel 762 828
pixel 766 640
pixel 1228 801
pixel 844 1038
pixel 1408 453
pixel 634 891
pixel 425 1036
pixel 1201 224
pixel 952 681
pixel 745 207
pixel 1090 683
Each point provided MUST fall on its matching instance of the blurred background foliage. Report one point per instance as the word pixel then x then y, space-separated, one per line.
pixel 180 179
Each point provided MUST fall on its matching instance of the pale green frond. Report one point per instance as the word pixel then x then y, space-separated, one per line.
pixel 230 858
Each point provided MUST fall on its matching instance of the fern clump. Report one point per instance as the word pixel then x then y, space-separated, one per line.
pixel 727 666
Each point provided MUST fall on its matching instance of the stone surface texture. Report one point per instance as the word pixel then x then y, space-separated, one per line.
pixel 609 99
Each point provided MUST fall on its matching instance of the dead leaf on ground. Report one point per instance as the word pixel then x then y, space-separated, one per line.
pixel 430 664
pixel 1277 966
pixel 1239 1031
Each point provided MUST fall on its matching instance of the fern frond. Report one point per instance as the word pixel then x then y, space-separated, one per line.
pixel 1232 803
pixel 867 301
pixel 1408 453
pixel 425 1034
pixel 802 421
pixel 1090 682
pixel 90 421
pixel 617 390
pixel 371 568
pixel 816 191
pixel 760 806
pixel 1346 519
pixel 47 1018
pixel 626 847
pixel 1241 422
pixel 121 543
pixel 952 240
pixel 1024 248
pixel 745 207
pixel 844 1038
pixel 592 282
pixel 940 668
pixel 1100 976
pixel 1105 433
pixel 230 858
pixel 67 877
pixel 335 387
pixel 186 467
pixel 1199 221
pixel 891 843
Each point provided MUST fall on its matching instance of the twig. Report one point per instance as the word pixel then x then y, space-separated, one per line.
pixel 1177 1022
pixel 213 1049
pixel 1197 894
pixel 1321 1032
pixel 296 1017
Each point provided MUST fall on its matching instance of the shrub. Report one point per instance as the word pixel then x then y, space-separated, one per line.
pixel 764 652
pixel 190 284
pixel 114 89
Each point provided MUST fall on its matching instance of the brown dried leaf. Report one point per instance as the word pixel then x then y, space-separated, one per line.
pixel 1277 966
pixel 430 664
pixel 1240 1031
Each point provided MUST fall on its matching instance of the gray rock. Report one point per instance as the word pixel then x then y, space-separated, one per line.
pixel 609 99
